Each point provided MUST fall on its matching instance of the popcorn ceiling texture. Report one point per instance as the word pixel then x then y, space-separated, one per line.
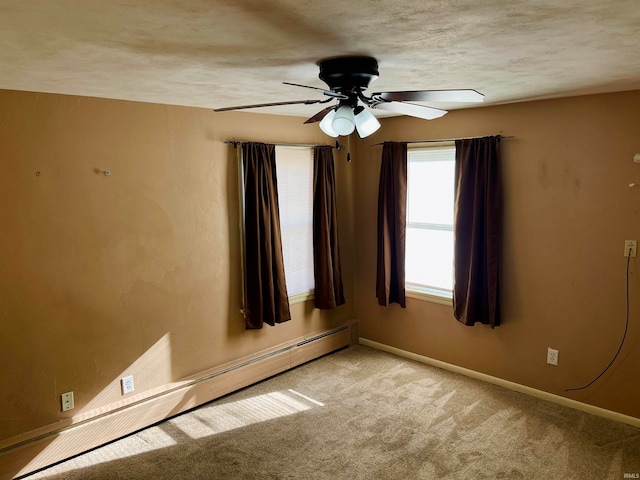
pixel 230 52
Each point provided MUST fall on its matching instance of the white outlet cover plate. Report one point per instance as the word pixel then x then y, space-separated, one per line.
pixel 630 245
pixel 67 401
pixel 127 384
pixel 552 356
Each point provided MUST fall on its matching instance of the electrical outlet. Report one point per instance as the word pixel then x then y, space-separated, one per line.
pixel 67 401
pixel 630 248
pixel 127 384
pixel 552 356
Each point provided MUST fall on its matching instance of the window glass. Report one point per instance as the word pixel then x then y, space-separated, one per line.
pixel 430 190
pixel 431 258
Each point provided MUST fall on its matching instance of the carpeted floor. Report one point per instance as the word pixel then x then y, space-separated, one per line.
pixel 365 414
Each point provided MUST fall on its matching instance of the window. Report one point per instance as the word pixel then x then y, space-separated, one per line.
pixel 294 167
pixel 429 236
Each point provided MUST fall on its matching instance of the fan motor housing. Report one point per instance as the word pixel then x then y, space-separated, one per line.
pixel 343 74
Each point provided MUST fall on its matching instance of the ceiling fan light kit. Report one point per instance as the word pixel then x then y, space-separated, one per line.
pixel 347 78
pixel 344 122
pixel 326 124
pixel 366 123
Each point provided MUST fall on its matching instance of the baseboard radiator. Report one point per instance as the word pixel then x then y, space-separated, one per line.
pixel 33 451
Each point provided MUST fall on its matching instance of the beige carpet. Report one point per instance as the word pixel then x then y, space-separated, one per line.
pixel 364 414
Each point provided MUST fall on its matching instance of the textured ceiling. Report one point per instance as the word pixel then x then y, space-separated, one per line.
pixel 210 53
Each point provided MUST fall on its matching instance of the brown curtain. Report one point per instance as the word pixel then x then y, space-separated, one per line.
pixel 326 252
pixel 477 229
pixel 392 213
pixel 266 299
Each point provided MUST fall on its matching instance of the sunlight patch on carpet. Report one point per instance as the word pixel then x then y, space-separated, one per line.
pixel 241 413
pixel 206 421
pixel 143 442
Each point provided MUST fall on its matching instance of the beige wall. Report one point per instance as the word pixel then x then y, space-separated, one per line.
pixel 133 273
pixel 568 210
pixel 138 272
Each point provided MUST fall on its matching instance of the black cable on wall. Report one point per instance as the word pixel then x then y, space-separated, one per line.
pixel 624 336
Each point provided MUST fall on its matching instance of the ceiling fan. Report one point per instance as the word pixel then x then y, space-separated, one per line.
pixel 347 78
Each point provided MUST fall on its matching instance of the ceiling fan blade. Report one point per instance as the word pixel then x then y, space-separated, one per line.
pixel 273 104
pixel 411 109
pixel 320 115
pixel 470 96
pixel 328 93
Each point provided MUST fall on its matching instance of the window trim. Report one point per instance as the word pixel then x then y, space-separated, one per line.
pixel 420 293
pixel 302 297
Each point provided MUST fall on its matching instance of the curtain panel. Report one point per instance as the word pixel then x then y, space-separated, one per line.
pixel 392 220
pixel 329 291
pixel 265 291
pixel 477 231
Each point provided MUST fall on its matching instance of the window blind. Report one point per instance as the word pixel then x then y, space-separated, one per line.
pixel 295 194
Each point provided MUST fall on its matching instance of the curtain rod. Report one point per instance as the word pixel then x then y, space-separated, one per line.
pixel 447 140
pixel 235 143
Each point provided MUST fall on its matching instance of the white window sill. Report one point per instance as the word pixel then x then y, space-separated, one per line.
pixel 427 296
pixel 301 297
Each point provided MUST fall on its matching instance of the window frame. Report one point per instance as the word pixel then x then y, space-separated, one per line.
pixel 416 290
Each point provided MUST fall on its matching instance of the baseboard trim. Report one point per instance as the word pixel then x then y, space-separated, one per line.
pixel 567 402
pixel 33 451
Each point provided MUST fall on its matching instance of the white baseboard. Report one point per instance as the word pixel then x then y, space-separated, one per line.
pixel 567 402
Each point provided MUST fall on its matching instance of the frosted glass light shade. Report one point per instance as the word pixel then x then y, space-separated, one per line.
pixel 325 124
pixel 366 123
pixel 343 122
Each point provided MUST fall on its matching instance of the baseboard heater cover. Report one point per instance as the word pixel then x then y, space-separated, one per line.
pixel 40 451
